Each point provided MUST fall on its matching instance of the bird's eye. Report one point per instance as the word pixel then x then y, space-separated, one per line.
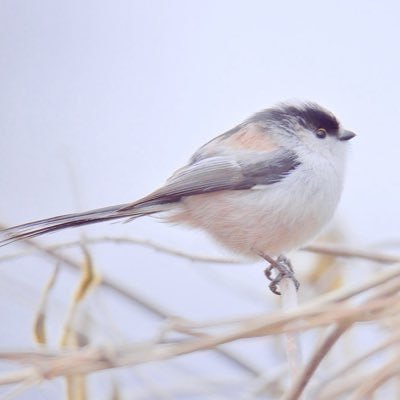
pixel 321 133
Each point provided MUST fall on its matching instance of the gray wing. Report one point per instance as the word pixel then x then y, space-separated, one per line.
pixel 235 172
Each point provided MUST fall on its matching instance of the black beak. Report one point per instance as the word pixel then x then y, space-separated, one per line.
pixel 346 135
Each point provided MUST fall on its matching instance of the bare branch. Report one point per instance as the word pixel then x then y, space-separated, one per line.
pixel 341 372
pixel 319 354
pixel 347 252
pixel 292 342
pixel 131 296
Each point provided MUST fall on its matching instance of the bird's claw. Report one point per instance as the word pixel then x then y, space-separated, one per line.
pixel 285 270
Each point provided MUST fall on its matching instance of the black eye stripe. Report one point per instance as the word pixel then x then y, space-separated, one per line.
pixel 309 115
pixel 320 118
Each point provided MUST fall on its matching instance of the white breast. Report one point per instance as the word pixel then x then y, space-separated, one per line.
pixel 272 219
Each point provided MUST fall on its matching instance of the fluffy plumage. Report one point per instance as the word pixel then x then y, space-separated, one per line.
pixel 266 186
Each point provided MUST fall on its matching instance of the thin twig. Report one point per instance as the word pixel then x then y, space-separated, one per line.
pixel 333 308
pixel 132 241
pixel 136 298
pixel 20 388
pixel 51 365
pixel 292 344
pixel 319 248
pixel 324 386
pixel 8 378
pixel 263 383
pixel 348 252
pixel 323 349
pixel 39 322
pixel 377 379
pixel 296 390
pixel 339 389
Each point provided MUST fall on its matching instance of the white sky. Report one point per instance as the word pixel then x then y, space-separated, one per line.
pixel 119 94
pixel 100 101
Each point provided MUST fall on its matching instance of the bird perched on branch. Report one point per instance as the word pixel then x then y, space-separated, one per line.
pixel 261 189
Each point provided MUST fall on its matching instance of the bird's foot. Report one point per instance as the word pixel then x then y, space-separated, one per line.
pixel 284 269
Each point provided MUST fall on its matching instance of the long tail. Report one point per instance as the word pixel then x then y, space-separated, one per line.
pixel 36 228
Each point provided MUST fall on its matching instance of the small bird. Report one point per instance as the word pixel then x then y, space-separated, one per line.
pixel 261 189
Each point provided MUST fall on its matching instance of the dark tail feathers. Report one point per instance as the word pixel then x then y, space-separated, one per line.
pixel 36 228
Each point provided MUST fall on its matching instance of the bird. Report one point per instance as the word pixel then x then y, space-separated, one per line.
pixel 264 188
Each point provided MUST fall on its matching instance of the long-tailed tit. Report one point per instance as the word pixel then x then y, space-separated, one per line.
pixel 267 186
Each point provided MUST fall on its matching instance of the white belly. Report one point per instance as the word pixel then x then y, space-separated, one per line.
pixel 274 219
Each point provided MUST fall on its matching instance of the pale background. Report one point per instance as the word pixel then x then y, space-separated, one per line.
pixel 100 101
